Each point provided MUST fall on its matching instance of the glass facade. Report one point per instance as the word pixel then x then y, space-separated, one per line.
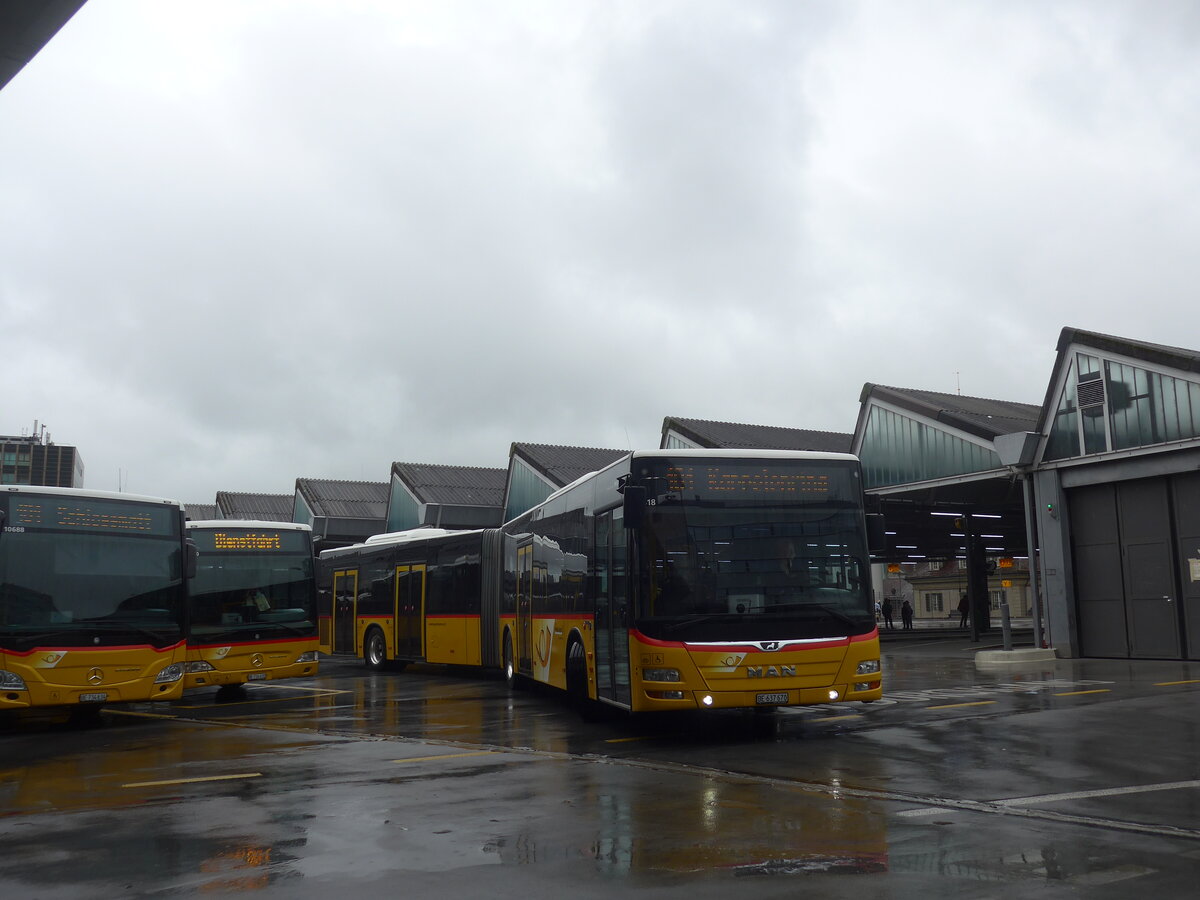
pixel 898 450
pixel 1108 405
pixel 403 511
pixel 526 489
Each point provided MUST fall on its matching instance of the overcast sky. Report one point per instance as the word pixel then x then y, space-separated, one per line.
pixel 246 241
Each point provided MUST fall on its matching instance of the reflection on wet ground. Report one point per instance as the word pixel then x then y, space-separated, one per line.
pixel 452 785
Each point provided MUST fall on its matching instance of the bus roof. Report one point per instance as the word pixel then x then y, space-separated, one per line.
pixel 249 523
pixel 82 493
pixel 392 538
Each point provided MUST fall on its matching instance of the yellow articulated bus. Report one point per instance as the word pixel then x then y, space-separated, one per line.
pixel 670 580
pixel 92 598
pixel 252 605
pixel 412 596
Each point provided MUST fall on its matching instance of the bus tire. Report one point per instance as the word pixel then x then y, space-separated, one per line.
pixel 375 650
pixel 577 682
pixel 510 663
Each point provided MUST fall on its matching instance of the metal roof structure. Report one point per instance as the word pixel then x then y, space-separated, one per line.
pixel 256 507
pixel 200 512
pixel 344 499
pixel 26 26
pixel 755 437
pixel 452 485
pixel 562 465
pixel 975 415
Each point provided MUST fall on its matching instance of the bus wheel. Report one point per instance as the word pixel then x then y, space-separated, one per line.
pixel 375 650
pixel 577 686
pixel 510 665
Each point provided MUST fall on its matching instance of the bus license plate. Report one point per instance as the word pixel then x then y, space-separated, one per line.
pixel 766 699
pixel 256 676
pixel 92 698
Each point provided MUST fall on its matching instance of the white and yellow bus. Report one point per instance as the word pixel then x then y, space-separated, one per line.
pixel 93 592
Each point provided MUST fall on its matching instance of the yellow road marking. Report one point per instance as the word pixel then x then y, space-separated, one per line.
pixel 625 740
pixel 139 784
pixel 958 705
pixel 1169 683
pixel 444 756
pixel 837 718
pixel 1077 693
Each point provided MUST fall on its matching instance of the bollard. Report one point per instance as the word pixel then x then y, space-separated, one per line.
pixel 1006 625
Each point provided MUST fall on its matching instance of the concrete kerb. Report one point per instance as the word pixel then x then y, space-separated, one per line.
pixel 1007 659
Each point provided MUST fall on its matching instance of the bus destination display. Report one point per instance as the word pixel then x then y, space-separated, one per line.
pixel 52 513
pixel 708 480
pixel 231 541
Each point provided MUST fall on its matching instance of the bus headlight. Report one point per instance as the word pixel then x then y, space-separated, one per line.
pixel 868 667
pixel 195 667
pixel 11 681
pixel 660 675
pixel 171 673
pixel 310 656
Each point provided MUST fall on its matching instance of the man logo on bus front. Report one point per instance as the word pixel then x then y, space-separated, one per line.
pixel 769 646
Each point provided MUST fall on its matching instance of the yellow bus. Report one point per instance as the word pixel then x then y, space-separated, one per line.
pixel 670 580
pixel 92 598
pixel 252 605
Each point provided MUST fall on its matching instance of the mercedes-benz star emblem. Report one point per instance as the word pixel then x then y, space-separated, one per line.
pixel 95 675
pixel 256 660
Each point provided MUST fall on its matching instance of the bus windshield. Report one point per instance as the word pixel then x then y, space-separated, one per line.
pixel 252 583
pixel 766 547
pixel 78 571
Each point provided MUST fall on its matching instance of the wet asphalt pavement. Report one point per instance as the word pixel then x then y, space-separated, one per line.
pixel 1060 779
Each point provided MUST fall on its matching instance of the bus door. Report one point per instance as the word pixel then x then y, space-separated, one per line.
pixel 612 609
pixel 524 638
pixel 410 612
pixel 345 591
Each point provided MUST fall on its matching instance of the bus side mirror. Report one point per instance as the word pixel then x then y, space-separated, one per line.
pixel 634 505
pixel 191 556
pixel 876 533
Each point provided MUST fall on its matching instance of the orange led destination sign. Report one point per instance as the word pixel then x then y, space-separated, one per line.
pixel 247 540
pixel 712 479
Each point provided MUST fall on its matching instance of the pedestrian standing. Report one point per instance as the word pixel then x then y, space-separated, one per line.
pixel 906 615
pixel 887 614
pixel 964 610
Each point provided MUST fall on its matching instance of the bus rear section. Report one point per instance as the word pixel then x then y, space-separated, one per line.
pixel 421 596
pixel 252 604
pixel 92 594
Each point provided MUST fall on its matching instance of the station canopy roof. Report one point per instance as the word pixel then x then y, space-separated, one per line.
pixel 718 435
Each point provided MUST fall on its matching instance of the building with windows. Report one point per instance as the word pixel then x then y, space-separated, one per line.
pixel 1102 480
pixel 689 434
pixel 38 460
pixel 450 497
pixel 535 471
pixel 340 512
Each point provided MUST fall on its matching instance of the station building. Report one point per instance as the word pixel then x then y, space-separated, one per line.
pixel 438 496
pixel 535 471
pixel 340 512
